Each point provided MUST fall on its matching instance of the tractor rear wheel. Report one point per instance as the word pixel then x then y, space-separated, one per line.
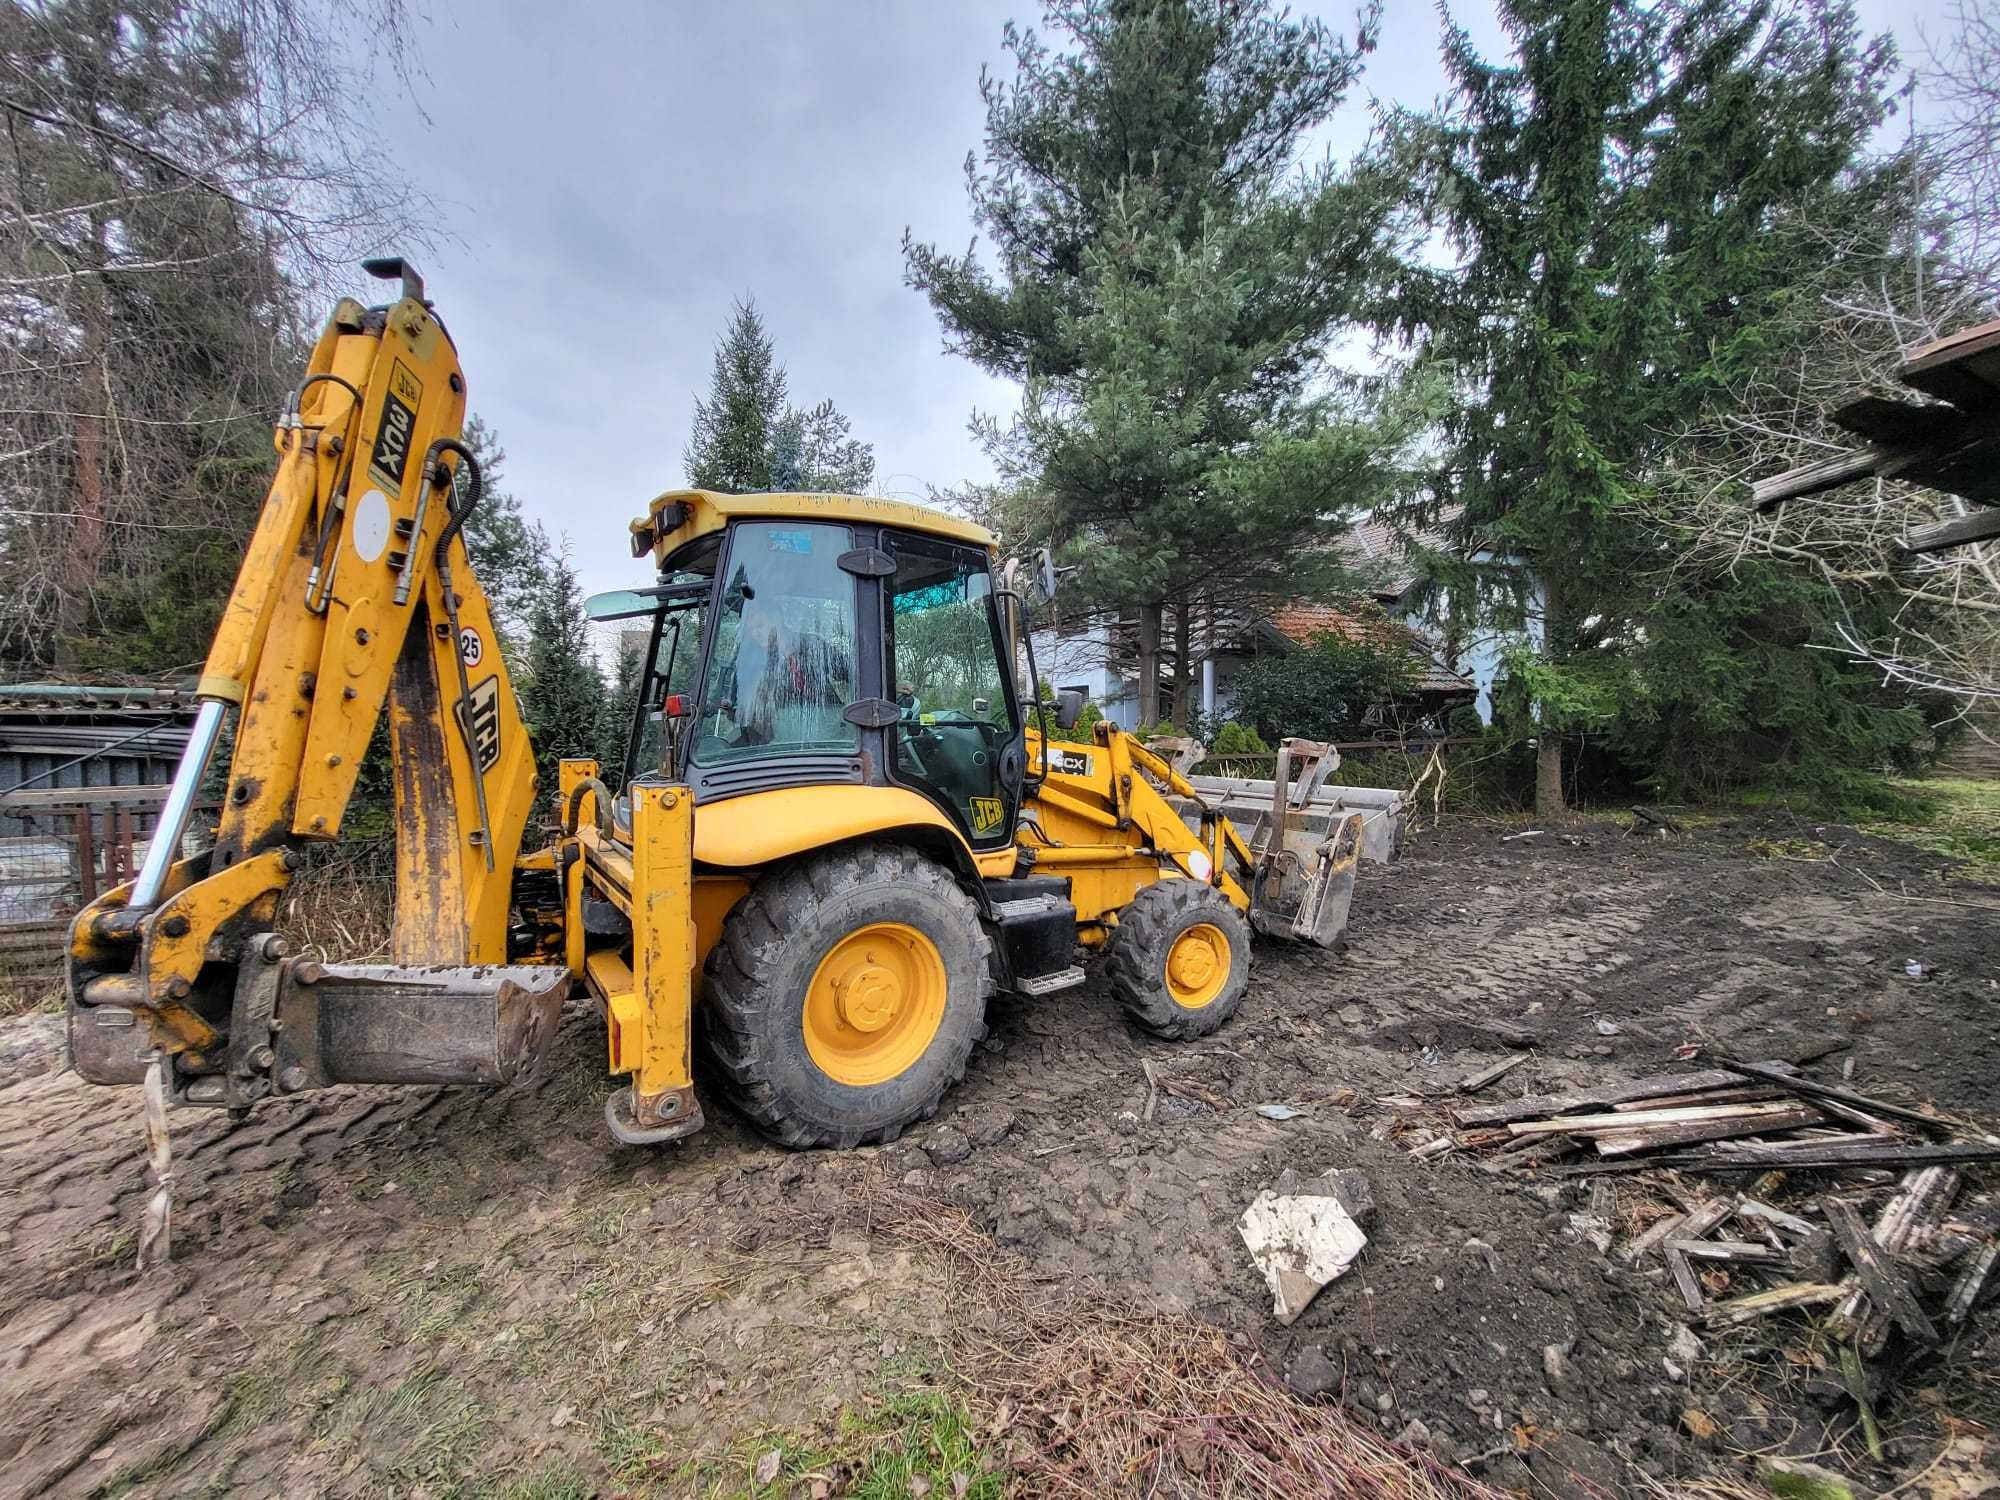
pixel 1180 958
pixel 846 994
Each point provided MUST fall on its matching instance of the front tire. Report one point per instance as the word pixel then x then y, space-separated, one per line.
pixel 846 994
pixel 1180 958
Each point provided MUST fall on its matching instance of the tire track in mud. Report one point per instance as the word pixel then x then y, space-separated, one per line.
pixel 82 1330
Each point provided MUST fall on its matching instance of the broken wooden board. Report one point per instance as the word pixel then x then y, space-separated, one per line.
pixel 1687 1282
pixel 1752 1208
pixel 1726 1127
pixel 1839 1096
pixel 1971 1282
pixel 1884 1282
pixel 1729 1250
pixel 1472 1083
pixel 1925 1196
pixel 1845 1151
pixel 1778 1299
pixel 1752 1117
pixel 1603 1096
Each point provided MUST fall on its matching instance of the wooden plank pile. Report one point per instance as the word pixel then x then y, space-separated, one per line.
pixel 1923 1246
pixel 1734 1116
pixel 1885 1235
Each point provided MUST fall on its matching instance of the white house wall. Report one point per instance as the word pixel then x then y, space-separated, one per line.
pixel 1079 658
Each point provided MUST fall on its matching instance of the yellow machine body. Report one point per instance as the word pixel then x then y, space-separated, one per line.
pixel 661 889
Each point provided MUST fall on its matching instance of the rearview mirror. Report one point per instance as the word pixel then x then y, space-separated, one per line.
pixel 1043 575
pixel 1069 706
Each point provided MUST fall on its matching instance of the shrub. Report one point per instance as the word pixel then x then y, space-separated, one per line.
pixel 1322 691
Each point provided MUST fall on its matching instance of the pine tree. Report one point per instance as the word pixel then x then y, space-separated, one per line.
pixel 746 438
pixel 509 553
pixel 1609 193
pixel 614 720
pixel 175 175
pixel 1165 289
pixel 563 691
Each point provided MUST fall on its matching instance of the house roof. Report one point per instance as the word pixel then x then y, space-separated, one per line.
pixel 1303 624
pixel 1372 549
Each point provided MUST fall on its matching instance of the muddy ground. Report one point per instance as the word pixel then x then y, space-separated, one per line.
pixel 411 1292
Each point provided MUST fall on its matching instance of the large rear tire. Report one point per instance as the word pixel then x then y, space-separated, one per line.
pixel 846 994
pixel 1180 958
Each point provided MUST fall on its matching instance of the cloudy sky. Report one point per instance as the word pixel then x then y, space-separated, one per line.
pixel 614 174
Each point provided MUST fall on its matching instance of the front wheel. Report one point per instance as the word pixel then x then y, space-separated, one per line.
pixel 1180 958
pixel 846 995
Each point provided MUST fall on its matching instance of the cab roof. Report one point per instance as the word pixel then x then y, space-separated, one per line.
pixel 678 517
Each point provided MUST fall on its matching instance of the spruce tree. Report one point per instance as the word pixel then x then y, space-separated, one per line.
pixel 563 691
pixel 1166 284
pixel 1608 194
pixel 509 553
pixel 746 438
pixel 615 714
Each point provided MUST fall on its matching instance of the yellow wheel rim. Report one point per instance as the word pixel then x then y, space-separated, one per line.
pixel 875 1003
pixel 1197 966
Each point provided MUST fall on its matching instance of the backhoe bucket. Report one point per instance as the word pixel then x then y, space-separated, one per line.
pixel 320 1024
pixel 393 1023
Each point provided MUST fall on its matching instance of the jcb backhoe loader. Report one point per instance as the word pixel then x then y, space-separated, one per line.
pixel 837 832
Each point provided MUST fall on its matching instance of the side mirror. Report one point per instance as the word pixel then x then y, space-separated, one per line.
pixel 1069 707
pixel 1044 575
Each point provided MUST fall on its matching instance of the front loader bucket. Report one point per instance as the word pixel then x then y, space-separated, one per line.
pixel 1303 891
pixel 1247 804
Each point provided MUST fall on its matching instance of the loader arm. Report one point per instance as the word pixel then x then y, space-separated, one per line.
pixel 355 594
pixel 1107 815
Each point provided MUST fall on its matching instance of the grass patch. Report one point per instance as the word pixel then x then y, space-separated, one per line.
pixel 888 1448
pixel 422 1428
pixel 1949 816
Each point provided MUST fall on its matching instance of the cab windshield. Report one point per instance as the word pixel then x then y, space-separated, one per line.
pixel 781 669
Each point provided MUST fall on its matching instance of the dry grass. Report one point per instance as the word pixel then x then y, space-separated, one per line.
pixel 1087 1401
pixel 343 903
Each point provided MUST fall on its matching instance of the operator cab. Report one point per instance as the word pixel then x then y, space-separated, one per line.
pixel 791 650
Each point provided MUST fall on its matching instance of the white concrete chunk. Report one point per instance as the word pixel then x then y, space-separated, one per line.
pixel 1300 1243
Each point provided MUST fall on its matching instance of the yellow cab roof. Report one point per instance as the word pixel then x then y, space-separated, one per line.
pixel 664 529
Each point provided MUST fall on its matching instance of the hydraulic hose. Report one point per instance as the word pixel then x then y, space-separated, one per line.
pixel 475 489
pixel 589 784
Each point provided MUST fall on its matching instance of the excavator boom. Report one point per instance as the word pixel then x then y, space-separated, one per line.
pixel 355 595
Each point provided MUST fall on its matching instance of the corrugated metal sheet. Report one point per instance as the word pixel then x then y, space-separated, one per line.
pixel 58 736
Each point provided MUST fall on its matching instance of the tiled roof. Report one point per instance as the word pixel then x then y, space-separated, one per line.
pixel 1373 551
pixel 1366 625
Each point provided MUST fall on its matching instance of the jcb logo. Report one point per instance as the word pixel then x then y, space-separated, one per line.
pixel 482 727
pixel 988 813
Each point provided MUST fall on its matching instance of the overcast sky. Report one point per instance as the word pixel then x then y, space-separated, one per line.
pixel 614 174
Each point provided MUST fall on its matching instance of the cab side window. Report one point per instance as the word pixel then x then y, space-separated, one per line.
pixel 947 678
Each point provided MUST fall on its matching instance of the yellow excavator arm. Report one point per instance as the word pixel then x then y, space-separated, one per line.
pixel 355 592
